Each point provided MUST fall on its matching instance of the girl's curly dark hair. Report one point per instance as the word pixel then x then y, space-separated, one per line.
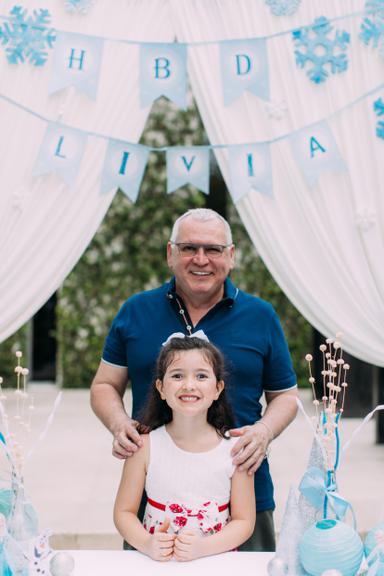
pixel 156 411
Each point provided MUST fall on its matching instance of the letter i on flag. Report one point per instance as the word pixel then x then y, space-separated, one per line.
pixel 124 167
pixel 76 62
pixel 188 165
pixel 244 66
pixel 250 168
pixel 61 151
pixel 316 151
pixel 163 72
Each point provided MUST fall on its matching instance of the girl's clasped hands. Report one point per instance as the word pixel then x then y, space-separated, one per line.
pixel 164 546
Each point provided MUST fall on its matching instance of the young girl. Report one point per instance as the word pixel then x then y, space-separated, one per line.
pixel 198 504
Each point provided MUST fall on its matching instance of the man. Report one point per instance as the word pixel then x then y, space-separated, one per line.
pixel 201 255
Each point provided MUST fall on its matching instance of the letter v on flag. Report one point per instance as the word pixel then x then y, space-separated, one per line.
pixel 188 166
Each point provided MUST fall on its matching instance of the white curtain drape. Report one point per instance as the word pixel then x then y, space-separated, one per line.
pixel 44 226
pixel 324 245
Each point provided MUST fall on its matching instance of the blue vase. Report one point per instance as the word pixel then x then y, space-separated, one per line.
pixel 330 544
pixel 370 541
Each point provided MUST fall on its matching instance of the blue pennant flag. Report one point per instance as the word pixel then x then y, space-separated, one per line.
pixel 61 151
pixel 250 167
pixel 188 165
pixel 76 62
pixel 315 150
pixel 163 72
pixel 244 66
pixel 124 167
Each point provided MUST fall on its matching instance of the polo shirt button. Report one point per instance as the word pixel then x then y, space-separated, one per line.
pixel 189 327
pixel 181 311
pixel 170 296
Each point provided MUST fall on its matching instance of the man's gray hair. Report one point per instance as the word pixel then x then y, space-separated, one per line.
pixel 201 215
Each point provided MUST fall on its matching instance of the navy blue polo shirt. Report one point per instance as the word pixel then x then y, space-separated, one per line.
pixel 245 328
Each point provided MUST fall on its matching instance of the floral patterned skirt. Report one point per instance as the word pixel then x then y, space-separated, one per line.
pixel 208 518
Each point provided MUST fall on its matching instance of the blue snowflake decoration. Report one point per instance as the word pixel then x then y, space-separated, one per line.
pixel 320 50
pixel 81 6
pixel 372 27
pixel 378 107
pixel 27 37
pixel 283 7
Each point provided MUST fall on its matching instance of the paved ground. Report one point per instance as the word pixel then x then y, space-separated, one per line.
pixel 72 477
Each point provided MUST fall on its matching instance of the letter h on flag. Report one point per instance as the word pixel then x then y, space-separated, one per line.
pixel 76 62
pixel 244 66
pixel 163 72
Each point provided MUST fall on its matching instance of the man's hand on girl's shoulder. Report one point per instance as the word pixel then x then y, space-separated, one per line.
pixel 126 438
pixel 250 450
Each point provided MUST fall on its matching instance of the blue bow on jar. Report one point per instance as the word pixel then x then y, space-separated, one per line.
pixel 315 489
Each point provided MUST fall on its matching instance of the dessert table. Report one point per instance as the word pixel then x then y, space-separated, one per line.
pixel 122 563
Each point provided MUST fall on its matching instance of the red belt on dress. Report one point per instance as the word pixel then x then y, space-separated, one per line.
pixel 160 506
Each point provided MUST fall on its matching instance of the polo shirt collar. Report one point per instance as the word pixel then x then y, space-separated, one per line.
pixel 230 290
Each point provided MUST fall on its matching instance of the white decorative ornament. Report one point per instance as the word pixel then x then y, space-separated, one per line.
pixel 276 110
pixel 79 6
pixel 277 567
pixel 365 219
pixel 61 564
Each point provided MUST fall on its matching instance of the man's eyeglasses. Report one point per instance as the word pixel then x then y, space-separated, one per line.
pixel 188 250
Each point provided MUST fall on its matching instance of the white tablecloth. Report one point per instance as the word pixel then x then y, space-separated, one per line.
pixel 125 563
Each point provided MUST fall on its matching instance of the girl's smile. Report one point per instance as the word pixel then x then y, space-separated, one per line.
pixel 189 381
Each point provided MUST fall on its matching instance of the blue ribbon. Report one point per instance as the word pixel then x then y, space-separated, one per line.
pixel 317 491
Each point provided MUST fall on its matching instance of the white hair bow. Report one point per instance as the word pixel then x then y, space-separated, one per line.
pixel 199 334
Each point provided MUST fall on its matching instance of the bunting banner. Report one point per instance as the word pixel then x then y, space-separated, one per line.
pixel 244 66
pixel 61 151
pixel 124 167
pixel 188 165
pixel 76 62
pixel 315 151
pixel 163 72
pixel 250 167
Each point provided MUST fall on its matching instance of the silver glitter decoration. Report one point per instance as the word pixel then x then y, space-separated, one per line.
pixel 299 515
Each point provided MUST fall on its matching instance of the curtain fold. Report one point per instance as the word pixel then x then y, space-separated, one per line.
pixel 44 225
pixel 324 245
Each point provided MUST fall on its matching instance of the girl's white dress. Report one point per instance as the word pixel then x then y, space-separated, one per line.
pixel 191 489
